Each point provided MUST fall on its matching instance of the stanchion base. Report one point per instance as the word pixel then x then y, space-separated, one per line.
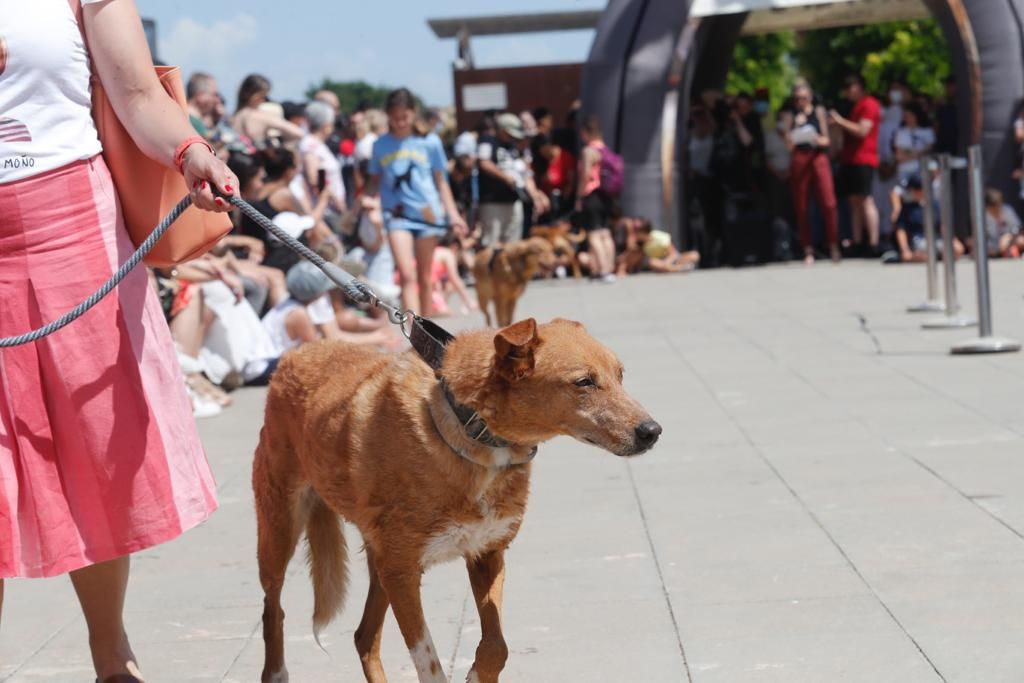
pixel 986 345
pixel 927 307
pixel 950 322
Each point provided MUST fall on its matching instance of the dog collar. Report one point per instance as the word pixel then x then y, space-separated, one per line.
pixel 474 428
pixel 430 341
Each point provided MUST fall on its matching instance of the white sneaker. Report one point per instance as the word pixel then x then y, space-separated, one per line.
pixel 203 407
pixel 609 278
pixel 561 273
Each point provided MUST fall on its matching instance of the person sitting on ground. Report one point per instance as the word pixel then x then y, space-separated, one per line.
pixel 653 251
pixel 256 123
pixel 910 228
pixel 272 199
pixel 201 92
pixel 1002 227
pixel 306 315
pixel 446 277
pixel 320 166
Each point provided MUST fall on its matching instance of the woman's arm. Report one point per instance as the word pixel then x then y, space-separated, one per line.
pixel 454 217
pixel 587 160
pixel 311 169
pixel 271 121
pixel 158 126
pixel 823 141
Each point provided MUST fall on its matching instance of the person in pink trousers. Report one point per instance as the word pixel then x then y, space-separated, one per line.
pixel 99 455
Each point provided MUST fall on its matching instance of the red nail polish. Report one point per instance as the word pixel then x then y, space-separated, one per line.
pixel 202 184
pixel 220 202
pixel 228 188
pixel 195 184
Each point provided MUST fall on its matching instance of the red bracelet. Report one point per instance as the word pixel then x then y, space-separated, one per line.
pixel 179 153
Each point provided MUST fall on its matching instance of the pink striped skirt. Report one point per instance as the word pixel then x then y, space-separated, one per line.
pixel 99 454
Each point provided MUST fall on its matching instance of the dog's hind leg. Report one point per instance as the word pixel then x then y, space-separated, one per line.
pixel 371 627
pixel 403 588
pixel 279 520
pixel 487 577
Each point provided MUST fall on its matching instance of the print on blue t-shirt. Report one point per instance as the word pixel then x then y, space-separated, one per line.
pixel 406 167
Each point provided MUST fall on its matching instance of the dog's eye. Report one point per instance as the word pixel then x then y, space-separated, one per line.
pixel 584 382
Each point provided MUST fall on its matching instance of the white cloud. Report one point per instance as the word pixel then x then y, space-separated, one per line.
pixel 216 47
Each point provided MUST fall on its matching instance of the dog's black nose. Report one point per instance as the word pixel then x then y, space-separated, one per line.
pixel 647 433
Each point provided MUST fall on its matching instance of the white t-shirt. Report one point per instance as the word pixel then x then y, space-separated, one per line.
pixel 275 323
pixel 329 163
pixel 913 140
pixel 364 148
pixel 45 104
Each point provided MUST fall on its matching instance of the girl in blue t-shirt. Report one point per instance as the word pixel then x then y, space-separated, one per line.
pixel 410 173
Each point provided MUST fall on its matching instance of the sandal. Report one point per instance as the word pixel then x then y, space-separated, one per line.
pixel 207 389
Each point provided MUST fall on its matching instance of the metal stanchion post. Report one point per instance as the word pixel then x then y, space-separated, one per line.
pixel 987 342
pixel 952 319
pixel 933 304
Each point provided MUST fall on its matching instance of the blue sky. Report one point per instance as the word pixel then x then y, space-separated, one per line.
pixel 381 41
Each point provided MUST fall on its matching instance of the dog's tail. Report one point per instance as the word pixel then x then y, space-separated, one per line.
pixel 327 556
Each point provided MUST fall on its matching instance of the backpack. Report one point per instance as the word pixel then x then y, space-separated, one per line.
pixel 612 172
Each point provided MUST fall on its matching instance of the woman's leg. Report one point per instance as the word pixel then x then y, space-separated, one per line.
pixel 405 262
pixel 424 265
pixel 190 325
pixel 101 590
pixel 824 188
pixel 799 185
pixel 451 264
pixel 608 252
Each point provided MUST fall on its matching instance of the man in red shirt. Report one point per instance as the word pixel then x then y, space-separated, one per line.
pixel 858 158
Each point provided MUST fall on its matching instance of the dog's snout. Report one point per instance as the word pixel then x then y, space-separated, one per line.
pixel 647 433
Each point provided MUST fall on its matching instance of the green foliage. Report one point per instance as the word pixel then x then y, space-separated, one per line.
pixel 353 93
pixel 913 51
pixel 763 61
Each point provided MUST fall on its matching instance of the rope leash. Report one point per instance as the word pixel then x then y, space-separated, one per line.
pixel 353 289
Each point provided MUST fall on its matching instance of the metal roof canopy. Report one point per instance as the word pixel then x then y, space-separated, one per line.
pixel 766 16
pixel 503 24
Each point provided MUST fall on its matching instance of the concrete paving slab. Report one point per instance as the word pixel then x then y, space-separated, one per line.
pixel 834 499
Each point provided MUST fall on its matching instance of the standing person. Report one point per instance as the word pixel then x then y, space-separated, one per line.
pixel 858 159
pixel 596 201
pixel 502 180
pixel 409 172
pixel 99 454
pixel 806 135
pixel 947 123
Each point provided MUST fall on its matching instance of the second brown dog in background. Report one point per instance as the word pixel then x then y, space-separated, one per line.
pixel 502 274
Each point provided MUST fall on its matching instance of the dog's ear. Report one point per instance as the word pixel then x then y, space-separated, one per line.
pixel 514 346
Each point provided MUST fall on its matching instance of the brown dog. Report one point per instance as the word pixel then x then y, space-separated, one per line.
pixel 502 274
pixel 565 242
pixel 428 469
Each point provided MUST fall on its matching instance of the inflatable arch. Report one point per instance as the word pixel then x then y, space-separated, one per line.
pixel 642 60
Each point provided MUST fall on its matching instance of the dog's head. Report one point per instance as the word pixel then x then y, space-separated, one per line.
pixel 556 380
pixel 536 253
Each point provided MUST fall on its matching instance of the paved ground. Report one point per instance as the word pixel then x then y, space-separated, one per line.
pixel 829 502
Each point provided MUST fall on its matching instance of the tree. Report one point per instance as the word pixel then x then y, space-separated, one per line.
pixel 763 61
pixel 353 94
pixel 915 52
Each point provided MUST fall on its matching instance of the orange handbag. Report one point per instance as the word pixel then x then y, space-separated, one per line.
pixel 147 189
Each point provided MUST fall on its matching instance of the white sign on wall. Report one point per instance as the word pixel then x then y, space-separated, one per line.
pixel 484 96
pixel 711 8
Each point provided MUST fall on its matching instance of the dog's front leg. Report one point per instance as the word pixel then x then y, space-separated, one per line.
pixel 487 576
pixel 403 589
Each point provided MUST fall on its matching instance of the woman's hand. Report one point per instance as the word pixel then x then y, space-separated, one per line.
pixel 202 169
pixel 458 224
